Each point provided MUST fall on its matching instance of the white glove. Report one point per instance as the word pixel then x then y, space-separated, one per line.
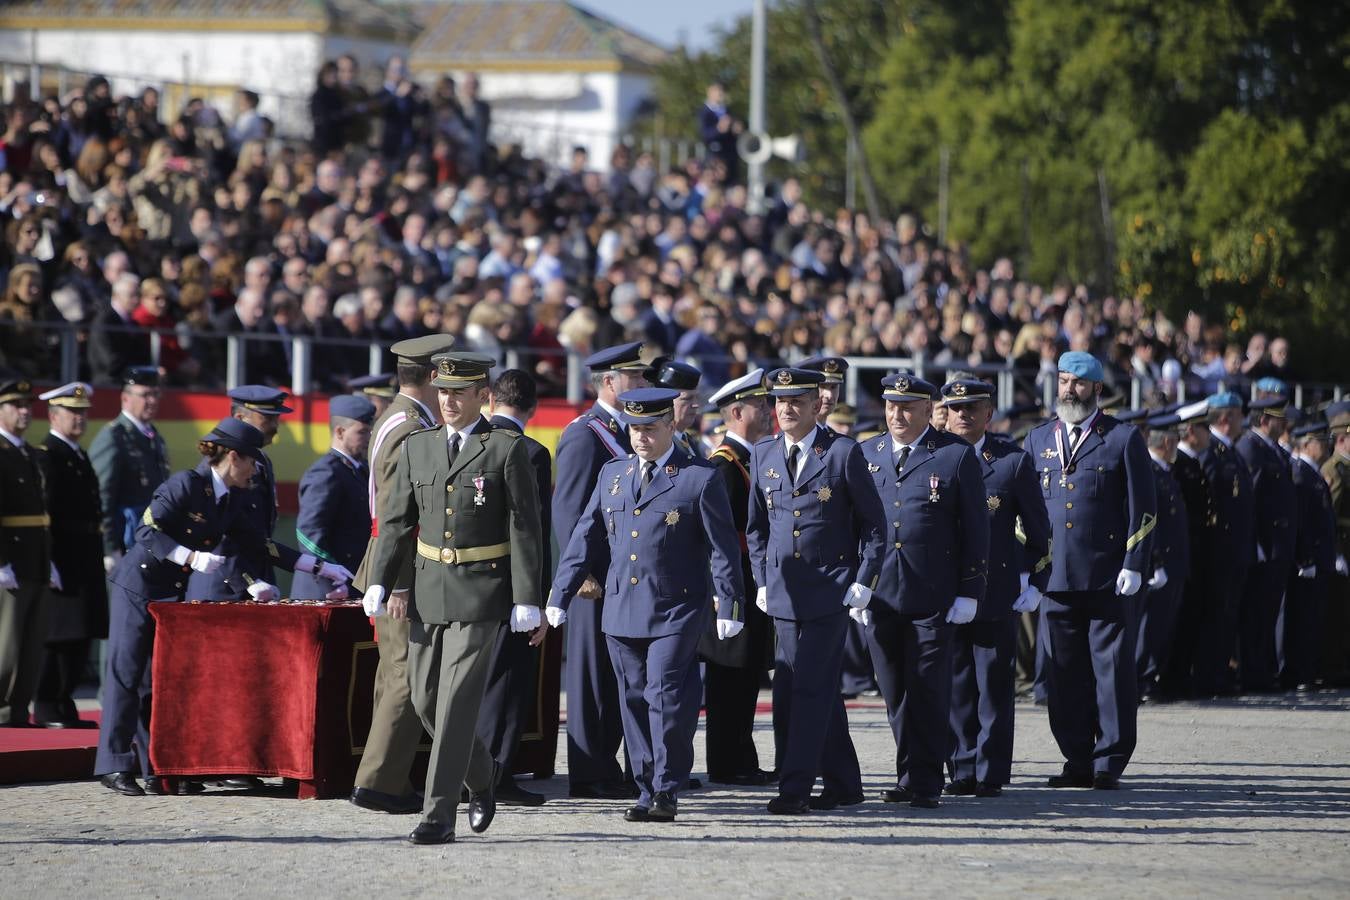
pixel 862 616
pixel 264 592
pixel 1341 567
pixel 1128 582
pixel 338 593
pixel 1025 578
pixel 524 618
pixel 7 580
pixel 728 628
pixel 111 560
pixel 556 615
pixel 206 563
pixel 56 580
pixel 962 611
pixel 335 573
pixel 857 596
pixel 762 600
pixel 1029 600
pixel 372 602
pixel 1260 553
pixel 1305 572
pixel 1159 579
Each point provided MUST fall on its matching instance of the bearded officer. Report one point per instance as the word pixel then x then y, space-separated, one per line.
pixel 131 460
pixel 985 648
pixel 652 516
pixel 464 499
pixel 1098 488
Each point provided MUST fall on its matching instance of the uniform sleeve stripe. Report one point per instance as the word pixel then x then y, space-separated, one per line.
pixel 1145 529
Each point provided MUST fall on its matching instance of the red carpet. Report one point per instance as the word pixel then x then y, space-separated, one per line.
pixel 48 754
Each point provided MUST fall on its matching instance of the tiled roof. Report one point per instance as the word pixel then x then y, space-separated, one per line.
pixel 331 15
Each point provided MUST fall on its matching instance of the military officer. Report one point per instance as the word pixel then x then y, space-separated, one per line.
pixel 1098 488
pixel 831 389
pixel 334 520
pixel 814 535
pixel 933 576
pixel 650 516
pixel 25 555
pixel 181 531
pixel 1276 510
pixel 594 728
pixel 684 378
pixel 131 460
pixel 734 666
pixel 842 419
pixel 378 389
pixel 1019 570
pixel 79 598
pixel 382 778
pixel 1171 562
pixel 1336 471
pixel 464 499
pixel 1297 637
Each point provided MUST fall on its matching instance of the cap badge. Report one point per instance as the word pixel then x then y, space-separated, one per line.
pixel 785 377
pixel 959 390
pixel 447 367
pixel 902 384
pixel 830 366
pixel 633 408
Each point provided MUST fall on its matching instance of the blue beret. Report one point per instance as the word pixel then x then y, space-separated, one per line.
pixel 238 435
pixel 1272 385
pixel 832 367
pixel 903 387
pixel 1081 365
pixel 645 405
pixel 955 393
pixel 260 398
pixel 352 406
pixel 624 356
pixel 1225 400
pixel 794 382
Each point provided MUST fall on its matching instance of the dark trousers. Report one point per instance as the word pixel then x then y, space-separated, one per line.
pixel 124 730
pixel 913 659
pixel 1175 678
pixel 506 699
pixel 658 681
pixel 594 727
pixel 1298 637
pixel 809 722
pixel 59 674
pixel 1158 613
pixel 1091 686
pixel 730 697
pixel 1256 639
pixel 1217 631
pixel 982 700
pixel 856 674
pixel 23 629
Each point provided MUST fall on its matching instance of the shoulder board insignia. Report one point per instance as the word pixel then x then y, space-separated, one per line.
pixel 989 457
pixel 931 446
pixel 670 470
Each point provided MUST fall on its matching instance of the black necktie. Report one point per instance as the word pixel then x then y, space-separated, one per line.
pixel 1074 432
pixel 648 471
pixel 904 457
pixel 454 448
pixel 793 452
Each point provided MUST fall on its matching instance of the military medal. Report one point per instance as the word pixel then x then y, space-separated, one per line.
pixel 824 494
pixel 933 482
pixel 673 517
pixel 1049 453
pixel 196 517
pixel 994 502
pixel 614 488
pixel 479 498
pixel 771 473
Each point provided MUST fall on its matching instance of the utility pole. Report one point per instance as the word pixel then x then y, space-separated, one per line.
pixel 755 170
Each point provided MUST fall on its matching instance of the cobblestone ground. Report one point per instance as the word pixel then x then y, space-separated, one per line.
pixel 1226 799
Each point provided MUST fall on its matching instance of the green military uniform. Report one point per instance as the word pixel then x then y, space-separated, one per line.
pixel 25 552
pixel 1336 633
pixel 467 515
pixel 131 464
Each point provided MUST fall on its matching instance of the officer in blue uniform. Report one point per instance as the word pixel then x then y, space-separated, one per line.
pixel 985 649
pixel 684 378
pixel 814 534
pixel 1160 600
pixel 378 389
pixel 1276 510
pixel 181 532
pixel 1098 490
pixel 334 520
pixel 653 516
pixel 933 576
pixel 1298 630
pixel 594 438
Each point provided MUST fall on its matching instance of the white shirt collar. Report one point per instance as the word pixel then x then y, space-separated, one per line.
pixel 68 442
pixel 979 445
pixel 12 438
pixel 219 484
pixel 427 414
pixel 806 441
pixel 349 458
pixel 463 434
pixel 1307 459
pixel 1221 439
pixel 140 426
pixel 663 458
pixel 1265 437
pixel 1166 466
pixel 738 439
pixel 1188 451
pixel 613 413
pixel 519 424
pixel 896 446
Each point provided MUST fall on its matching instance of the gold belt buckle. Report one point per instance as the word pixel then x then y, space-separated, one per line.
pixel 448 555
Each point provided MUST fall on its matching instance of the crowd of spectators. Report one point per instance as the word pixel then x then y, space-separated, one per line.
pixel 400 218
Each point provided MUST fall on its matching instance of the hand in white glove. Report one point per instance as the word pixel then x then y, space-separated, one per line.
pixel 857 596
pixel 111 560
pixel 1341 567
pixel 862 616
pixel 1159 579
pixel 1029 600
pixel 335 573
pixel 1128 582
pixel 1305 572
pixel 55 580
pixel 7 580
pixel 338 593
pixel 524 618
pixel 728 628
pixel 762 600
pixel 264 592
pixel 962 611
pixel 1260 553
pixel 204 562
pixel 556 615
pixel 372 602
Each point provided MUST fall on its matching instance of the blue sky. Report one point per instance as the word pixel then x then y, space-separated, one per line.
pixel 666 20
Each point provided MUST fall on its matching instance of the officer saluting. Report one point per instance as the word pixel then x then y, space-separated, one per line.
pixel 1098 488
pixel 131 460
pixel 651 515
pixel 1019 570
pixel 334 520
pixel 814 534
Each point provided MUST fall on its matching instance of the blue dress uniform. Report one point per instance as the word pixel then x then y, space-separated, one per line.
pixel 677 376
pixel 132 461
pixel 594 729
pixel 936 549
pixel 334 520
pixel 1298 630
pixel 1276 511
pixel 658 602
pixel 190 511
pixel 811 539
pixel 259 503
pixel 1100 498
pixel 985 649
pixel 1161 606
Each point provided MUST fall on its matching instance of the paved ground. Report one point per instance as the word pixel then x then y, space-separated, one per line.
pixel 1240 799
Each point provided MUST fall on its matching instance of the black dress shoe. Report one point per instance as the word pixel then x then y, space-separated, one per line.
pixel 68 723
pixel 921 802
pixel 789 806
pixel 897 795
pixel 1068 779
pixel 385 803
pixel 1105 781
pixel 637 814
pixel 961 787
pixel 828 799
pixel 482 809
pixel 693 784
pixel 158 785
pixel 123 783
pixel 240 783
pixel 432 833
pixel 987 789
pixel 511 794
pixel 599 790
pixel 663 807
pixel 753 778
